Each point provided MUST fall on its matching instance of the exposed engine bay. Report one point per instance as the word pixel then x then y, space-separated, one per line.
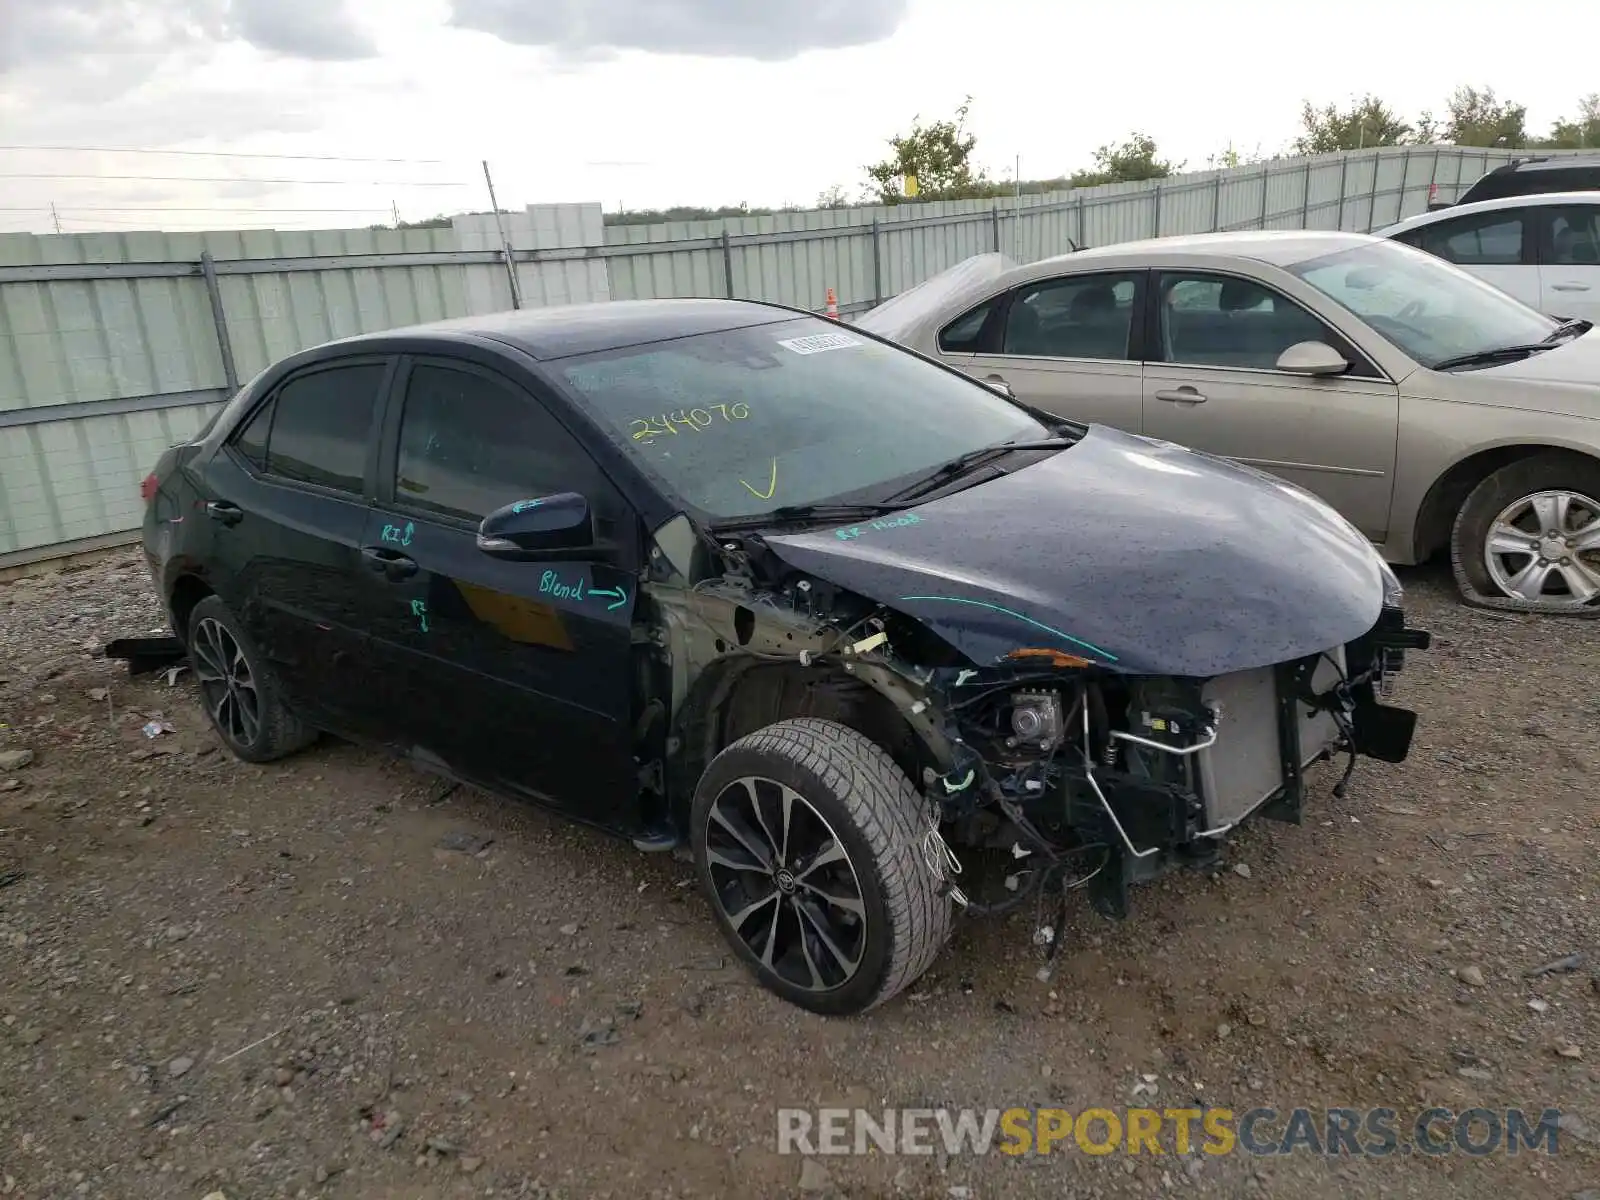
pixel 1067 771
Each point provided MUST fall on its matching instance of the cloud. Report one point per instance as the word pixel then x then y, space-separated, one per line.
pixel 767 30
pixel 314 29
pixel 40 34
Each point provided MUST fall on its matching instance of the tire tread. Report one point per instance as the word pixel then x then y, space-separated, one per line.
pixel 889 815
pixel 282 733
pixel 1553 469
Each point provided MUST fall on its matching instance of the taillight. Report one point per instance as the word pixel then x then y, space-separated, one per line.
pixel 149 487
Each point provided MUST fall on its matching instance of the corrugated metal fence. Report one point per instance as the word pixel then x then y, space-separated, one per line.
pixel 114 346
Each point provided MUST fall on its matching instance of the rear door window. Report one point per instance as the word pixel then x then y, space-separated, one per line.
pixel 318 428
pixel 1082 316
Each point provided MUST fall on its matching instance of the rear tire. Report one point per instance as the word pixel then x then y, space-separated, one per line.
pixel 808 842
pixel 238 690
pixel 1514 530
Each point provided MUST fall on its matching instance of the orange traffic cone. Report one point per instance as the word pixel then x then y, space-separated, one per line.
pixel 833 306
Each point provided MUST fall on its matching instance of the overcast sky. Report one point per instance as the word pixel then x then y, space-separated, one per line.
pixel 647 103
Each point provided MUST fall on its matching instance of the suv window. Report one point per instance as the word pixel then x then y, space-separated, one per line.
pixel 471 443
pixel 1574 236
pixel 317 428
pixel 1221 321
pixel 1085 316
pixel 961 335
pixel 1486 239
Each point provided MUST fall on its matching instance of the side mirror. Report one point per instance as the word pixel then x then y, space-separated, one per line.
pixel 995 383
pixel 538 528
pixel 1312 358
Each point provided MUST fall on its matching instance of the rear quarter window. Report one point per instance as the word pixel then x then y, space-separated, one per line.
pixel 964 334
pixel 251 440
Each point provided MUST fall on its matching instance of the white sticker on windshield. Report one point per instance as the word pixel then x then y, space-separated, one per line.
pixel 818 342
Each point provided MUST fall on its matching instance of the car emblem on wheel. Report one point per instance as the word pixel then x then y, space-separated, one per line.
pixel 785 880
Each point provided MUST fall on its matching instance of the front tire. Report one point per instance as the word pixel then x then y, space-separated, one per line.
pixel 808 842
pixel 240 694
pixel 1528 537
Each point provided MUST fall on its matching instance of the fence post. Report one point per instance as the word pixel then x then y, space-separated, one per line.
pixel 877 265
pixel 994 220
pixel 1344 175
pixel 1266 175
pixel 219 318
pixel 727 263
pixel 1372 198
pixel 1156 232
pixel 1305 199
pixel 1216 203
pixel 1080 239
pixel 1405 182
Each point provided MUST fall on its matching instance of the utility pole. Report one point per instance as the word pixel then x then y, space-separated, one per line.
pixel 54 217
pixel 505 242
pixel 1016 214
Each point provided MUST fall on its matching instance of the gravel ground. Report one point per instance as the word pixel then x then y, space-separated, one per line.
pixel 333 977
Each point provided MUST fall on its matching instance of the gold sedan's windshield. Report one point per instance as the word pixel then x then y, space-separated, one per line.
pixel 1425 306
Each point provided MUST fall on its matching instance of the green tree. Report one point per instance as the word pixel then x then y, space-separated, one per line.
pixel 1232 157
pixel 1579 134
pixel 938 155
pixel 1126 162
pixel 834 197
pixel 1367 122
pixel 1478 118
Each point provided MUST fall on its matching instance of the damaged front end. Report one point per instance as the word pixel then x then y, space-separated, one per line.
pixel 1046 771
pixel 1081 777
pixel 1084 701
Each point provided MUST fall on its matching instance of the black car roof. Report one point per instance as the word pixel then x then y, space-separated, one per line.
pixel 561 331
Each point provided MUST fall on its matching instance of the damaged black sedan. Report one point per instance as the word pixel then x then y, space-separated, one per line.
pixel 877 644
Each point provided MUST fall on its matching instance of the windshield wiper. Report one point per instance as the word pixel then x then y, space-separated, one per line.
pixel 792 514
pixel 1576 326
pixel 945 472
pixel 1492 355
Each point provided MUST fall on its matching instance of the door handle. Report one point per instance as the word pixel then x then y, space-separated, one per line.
pixel 222 510
pixel 1569 287
pixel 998 383
pixel 1183 395
pixel 391 564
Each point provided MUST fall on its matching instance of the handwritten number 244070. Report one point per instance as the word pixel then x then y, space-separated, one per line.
pixel 647 429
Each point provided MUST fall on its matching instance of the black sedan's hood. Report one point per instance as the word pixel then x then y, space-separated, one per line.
pixel 1143 556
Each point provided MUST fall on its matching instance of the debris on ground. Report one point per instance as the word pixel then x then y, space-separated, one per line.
pixel 465 842
pixel 1561 966
pixel 320 896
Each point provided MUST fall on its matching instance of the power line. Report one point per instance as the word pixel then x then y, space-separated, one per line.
pixel 163 208
pixel 238 179
pixel 222 154
pixel 102 225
